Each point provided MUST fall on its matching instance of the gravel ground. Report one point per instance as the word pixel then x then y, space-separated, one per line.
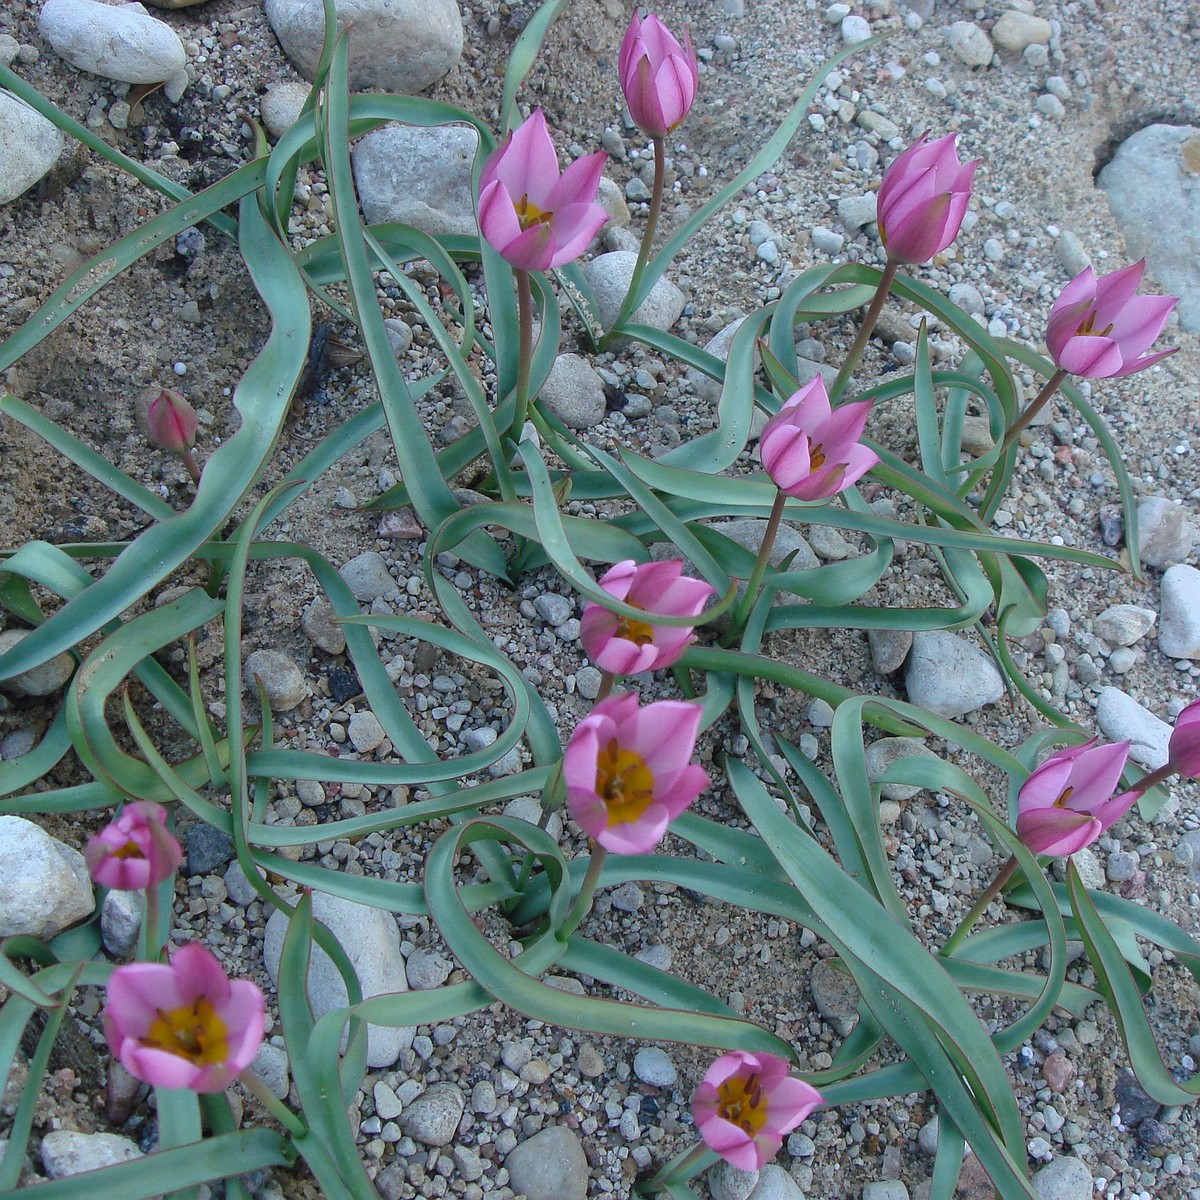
pixel 1042 125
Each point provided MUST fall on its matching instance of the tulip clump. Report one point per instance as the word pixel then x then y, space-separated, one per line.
pixel 183 1025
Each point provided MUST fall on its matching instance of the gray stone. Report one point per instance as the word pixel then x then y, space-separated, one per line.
pixel 1165 531
pixel 718 346
pixel 610 199
pixel 365 731
pixel 281 104
pixel 1122 718
pixel 432 1118
pixel 44 884
pixel 66 1152
pixel 889 648
pixel 280 677
pixel 1015 30
pixel 574 393
pixel 748 533
pixel 426 969
pixel 836 997
pixel 609 277
pixel 1064 1179
pixel 727 1182
pixel 321 627
pixel 855 29
pixel 1124 624
pixel 120 920
pixel 17 742
pixel 366 575
pixel 774 1183
pixel 856 211
pixel 1071 253
pixel 271 1066
pixel 29 146
pixel 397 45
pixel 827 241
pixel 120 42
pixel 550 1165
pixel 1179 634
pixel 419 177
pixel 883 753
pixel 885 1189
pixel 42 680
pixel 968 297
pixel 207 848
pixel 239 889
pixel 828 544
pixel 949 676
pixel 387 1103
pixel 553 608
pixel 651 1065
pixel 976 436
pixel 526 808
pixel 372 942
pixel 1162 161
pixel 971 45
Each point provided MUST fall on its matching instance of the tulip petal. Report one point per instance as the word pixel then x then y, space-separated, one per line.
pixel 1057 831
pixel 578 183
pixel 529 166
pixel 574 227
pixel 1090 356
pixel 1141 320
pixel 531 250
pixel 1111 811
pixel 1096 772
pixel 498 221
pixel 1115 290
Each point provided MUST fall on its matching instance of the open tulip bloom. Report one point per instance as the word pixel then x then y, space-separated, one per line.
pixel 747 1104
pixel 812 451
pixel 622 646
pixel 531 215
pixel 923 199
pixel 1099 328
pixel 658 75
pixel 185 1025
pixel 135 850
pixel 1067 802
pixel 628 773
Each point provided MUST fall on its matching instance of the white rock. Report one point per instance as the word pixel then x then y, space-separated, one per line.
pixel 1065 1178
pixel 281 679
pixel 574 393
pixel 66 1152
pixel 41 680
pixel 372 942
pixel 418 177
pixel 121 42
pixel 881 754
pixel 609 276
pixel 652 1066
pixel 1165 531
pixel 774 1183
pixel 551 1165
pixel 120 920
pixel 1015 30
pixel 1122 718
pixel 718 346
pixel 44 885
pixel 1124 624
pixel 29 146
pixel 367 577
pixel 398 45
pixel 271 1066
pixel 856 211
pixel 526 808
pixel 365 731
pixel 727 1182
pixel 1162 161
pixel 281 104
pixel 950 676
pixel 1179 634
pixel 970 44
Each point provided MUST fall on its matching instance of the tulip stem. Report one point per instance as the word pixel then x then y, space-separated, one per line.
pixel 988 894
pixel 189 461
pixel 149 947
pixel 680 1170
pixel 1160 775
pixel 865 330
pixel 607 680
pixel 587 889
pixel 1032 410
pixel 524 353
pixel 280 1111
pixel 639 268
pixel 754 583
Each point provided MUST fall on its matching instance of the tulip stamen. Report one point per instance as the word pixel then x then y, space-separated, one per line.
pixel 192 1031
pixel 623 782
pixel 130 850
pixel 743 1103
pixel 529 215
pixel 1086 328
pixel 1061 802
pixel 640 633
pixel 816 456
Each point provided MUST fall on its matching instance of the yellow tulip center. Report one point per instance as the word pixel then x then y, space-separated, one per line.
pixel 192 1031
pixel 743 1103
pixel 528 214
pixel 635 631
pixel 816 456
pixel 1061 802
pixel 623 782
pixel 1087 328
pixel 129 850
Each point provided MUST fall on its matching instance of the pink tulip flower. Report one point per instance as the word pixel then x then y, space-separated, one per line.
pixel 811 451
pixel 1098 327
pixel 627 770
pixel 1184 746
pixel 171 422
pixel 185 1025
pixel 135 850
pixel 532 216
pixel 658 75
pixel 923 199
pixel 623 646
pixel 1068 802
pixel 747 1104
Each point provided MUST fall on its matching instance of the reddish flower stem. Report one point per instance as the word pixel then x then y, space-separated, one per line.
pixel 865 331
pixel 988 894
pixel 1032 410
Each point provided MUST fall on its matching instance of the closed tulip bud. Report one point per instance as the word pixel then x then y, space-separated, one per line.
pixel 658 75
pixel 171 422
pixel 1184 746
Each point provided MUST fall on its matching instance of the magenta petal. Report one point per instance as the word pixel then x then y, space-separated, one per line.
pixel 583 747
pixel 244 1016
pixel 532 250
pixel 809 407
pixel 1115 290
pixel 579 182
pixel 596 628
pixel 587 810
pixel 1081 291
pixel 859 461
pixel 1140 322
pixel 1064 325
pixel 1057 831
pixel 157 1067
pixel 1111 811
pixel 1147 361
pixel 198 973
pixel 1096 771
pixel 635 837
pixel 574 227
pixel 620 656
pixel 1090 356
pixel 680 793
pixel 498 221
pixel 136 992
pixel 665 734
pixel 792 1100
pixel 619 578
pixel 529 166
pixel 1045 783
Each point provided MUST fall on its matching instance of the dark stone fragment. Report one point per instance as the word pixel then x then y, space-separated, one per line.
pixel 343 683
pixel 1112 524
pixel 1136 1106
pixel 649 1108
pixel 208 849
pixel 1154 1135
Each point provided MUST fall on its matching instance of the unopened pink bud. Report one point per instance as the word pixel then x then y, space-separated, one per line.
pixel 171 422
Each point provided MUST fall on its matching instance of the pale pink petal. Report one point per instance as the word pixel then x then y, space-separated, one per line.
pixel 635 837
pixel 158 1067
pixel 198 973
pixel 583 747
pixel 1057 831
pixel 1080 292
pixel 574 228
pixel 1045 783
pixel 498 221
pixel 529 166
pixel 619 578
pixel 579 183
pixel 683 789
pixel 859 461
pixel 1096 772
pixel 596 628
pixel 1113 810
pixel 845 427
pixel 665 734
pixel 809 407
pixel 1147 361
pixel 1064 324
pixel 653 583
pixel 791 1101
pixel 620 656
pixel 135 994
pixel 244 1016
pixel 532 250
pixel 1115 290
pixel 1141 320
pixel 1090 356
